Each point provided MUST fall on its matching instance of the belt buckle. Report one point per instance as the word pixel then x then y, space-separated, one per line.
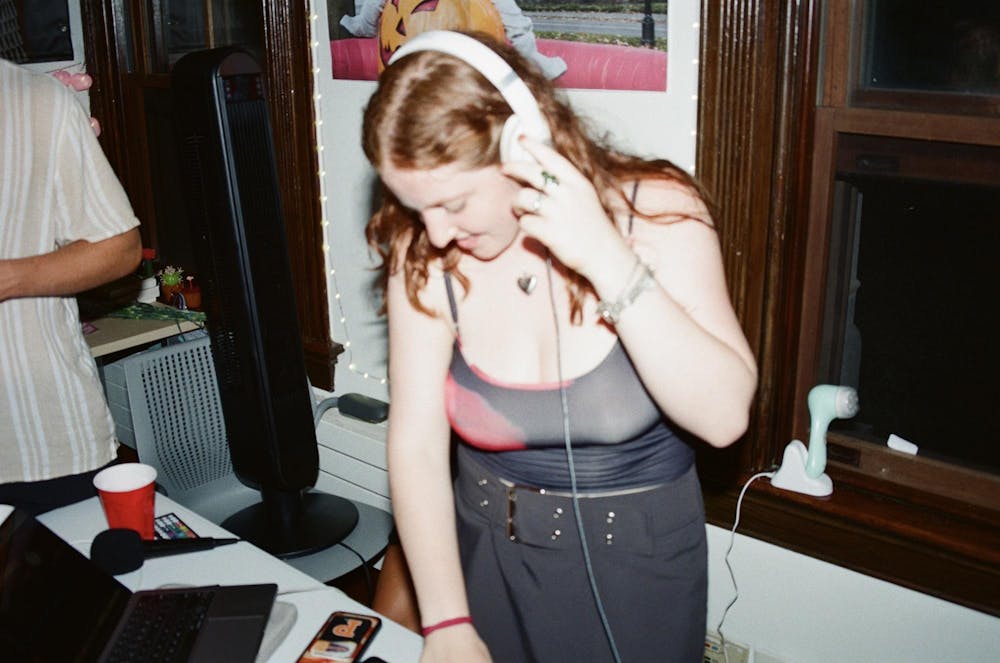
pixel 511 508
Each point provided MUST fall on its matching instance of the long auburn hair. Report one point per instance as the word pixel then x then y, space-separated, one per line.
pixel 432 109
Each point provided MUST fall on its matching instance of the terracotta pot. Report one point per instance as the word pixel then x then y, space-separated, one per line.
pixel 193 299
pixel 167 292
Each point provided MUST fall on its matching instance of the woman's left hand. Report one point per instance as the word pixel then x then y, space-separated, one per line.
pixel 559 207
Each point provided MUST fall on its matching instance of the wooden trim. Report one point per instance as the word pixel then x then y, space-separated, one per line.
pixel 964 490
pixel 932 102
pixel 290 80
pixel 922 126
pixel 106 65
pixel 817 248
pixel 757 88
pixel 731 126
pixel 837 60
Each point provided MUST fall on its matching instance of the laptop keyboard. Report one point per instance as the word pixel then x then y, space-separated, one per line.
pixel 161 627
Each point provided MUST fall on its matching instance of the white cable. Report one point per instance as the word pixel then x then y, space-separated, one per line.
pixel 732 575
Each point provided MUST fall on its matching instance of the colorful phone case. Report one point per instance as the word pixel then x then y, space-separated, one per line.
pixel 342 639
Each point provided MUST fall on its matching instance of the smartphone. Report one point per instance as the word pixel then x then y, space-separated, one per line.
pixel 342 639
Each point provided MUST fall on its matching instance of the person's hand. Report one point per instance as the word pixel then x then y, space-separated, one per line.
pixel 456 644
pixel 559 207
pixel 78 82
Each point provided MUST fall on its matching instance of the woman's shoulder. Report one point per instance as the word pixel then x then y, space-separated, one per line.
pixel 671 222
pixel 667 199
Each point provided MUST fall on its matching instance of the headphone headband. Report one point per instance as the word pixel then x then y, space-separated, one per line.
pixel 493 67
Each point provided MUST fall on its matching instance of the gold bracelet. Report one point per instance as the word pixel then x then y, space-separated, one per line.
pixel 611 312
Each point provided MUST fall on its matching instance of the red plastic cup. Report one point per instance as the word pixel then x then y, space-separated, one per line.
pixel 127 495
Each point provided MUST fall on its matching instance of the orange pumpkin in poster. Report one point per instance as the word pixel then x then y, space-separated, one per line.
pixel 402 19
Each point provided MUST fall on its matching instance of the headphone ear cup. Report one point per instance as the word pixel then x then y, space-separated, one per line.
pixel 510 146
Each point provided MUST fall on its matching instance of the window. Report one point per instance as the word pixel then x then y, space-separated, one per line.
pixel 857 186
pixel 927 54
pixel 902 211
pixel 181 27
pixel 909 282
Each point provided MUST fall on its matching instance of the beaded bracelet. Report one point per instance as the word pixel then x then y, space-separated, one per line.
pixel 454 621
pixel 611 312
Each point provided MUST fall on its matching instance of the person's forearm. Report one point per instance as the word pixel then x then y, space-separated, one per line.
pixel 423 506
pixel 699 381
pixel 703 377
pixel 71 269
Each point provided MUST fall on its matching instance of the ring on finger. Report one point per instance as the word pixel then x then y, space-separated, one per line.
pixel 548 178
pixel 537 203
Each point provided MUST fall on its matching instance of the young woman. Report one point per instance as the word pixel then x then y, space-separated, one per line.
pixel 568 319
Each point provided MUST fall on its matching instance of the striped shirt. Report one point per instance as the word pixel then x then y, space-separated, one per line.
pixel 56 187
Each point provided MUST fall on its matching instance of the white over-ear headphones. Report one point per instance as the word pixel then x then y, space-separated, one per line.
pixel 527 119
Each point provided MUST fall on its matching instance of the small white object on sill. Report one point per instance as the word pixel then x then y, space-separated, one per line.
pixel 899 444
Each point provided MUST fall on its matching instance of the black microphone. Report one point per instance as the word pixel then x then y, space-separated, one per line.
pixel 118 551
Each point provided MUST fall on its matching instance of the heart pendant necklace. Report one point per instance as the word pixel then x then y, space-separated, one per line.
pixel 527 282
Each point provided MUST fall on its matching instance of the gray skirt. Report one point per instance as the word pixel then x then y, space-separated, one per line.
pixel 527 583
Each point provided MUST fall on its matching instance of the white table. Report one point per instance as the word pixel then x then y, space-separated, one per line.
pixel 117 334
pixel 368 539
pixel 239 563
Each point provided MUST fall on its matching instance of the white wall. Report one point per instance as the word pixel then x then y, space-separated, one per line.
pixel 791 606
pixel 801 610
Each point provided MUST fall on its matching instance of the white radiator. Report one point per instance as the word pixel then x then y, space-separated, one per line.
pixel 352 459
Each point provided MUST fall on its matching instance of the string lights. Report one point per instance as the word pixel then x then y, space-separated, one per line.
pixel 332 283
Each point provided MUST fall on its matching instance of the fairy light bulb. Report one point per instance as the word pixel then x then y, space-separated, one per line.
pixel 338 312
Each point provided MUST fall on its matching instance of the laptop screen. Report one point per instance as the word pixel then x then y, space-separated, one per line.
pixel 55 604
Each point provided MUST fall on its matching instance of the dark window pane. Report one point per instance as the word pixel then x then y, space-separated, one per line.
pixel 36 31
pixel 914 281
pixel 928 45
pixel 187 25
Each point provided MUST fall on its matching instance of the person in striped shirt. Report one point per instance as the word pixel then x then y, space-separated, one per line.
pixel 66 226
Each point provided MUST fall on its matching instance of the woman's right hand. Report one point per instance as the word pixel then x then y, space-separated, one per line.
pixel 457 644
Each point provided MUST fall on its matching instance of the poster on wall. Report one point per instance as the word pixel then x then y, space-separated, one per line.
pixel 614 45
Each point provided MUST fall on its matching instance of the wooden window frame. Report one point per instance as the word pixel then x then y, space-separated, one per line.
pixel 289 77
pixel 761 123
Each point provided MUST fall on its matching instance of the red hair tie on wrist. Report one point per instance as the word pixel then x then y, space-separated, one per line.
pixel 455 621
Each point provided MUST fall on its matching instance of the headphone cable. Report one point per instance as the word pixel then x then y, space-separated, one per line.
pixel 572 473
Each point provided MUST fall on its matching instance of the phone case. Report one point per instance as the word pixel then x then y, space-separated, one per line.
pixel 342 639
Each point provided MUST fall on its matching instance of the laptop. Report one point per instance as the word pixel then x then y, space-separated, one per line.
pixel 57 605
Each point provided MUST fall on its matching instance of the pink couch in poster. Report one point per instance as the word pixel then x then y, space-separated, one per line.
pixel 598 66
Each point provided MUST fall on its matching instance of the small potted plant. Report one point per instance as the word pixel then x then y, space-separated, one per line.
pixel 192 293
pixel 170 283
